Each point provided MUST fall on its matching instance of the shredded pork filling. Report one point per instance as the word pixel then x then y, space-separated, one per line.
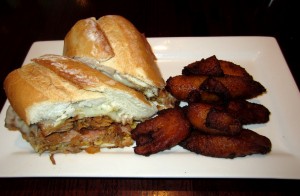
pixel 74 135
pixel 164 100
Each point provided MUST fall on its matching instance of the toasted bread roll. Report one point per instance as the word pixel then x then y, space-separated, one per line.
pixel 130 59
pixel 62 105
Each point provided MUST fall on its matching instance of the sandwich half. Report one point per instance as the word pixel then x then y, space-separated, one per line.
pixel 114 46
pixel 61 105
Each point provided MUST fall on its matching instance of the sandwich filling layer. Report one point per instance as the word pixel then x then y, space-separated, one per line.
pixel 73 135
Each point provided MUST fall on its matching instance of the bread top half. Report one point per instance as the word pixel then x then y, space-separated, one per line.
pixel 114 45
pixel 55 87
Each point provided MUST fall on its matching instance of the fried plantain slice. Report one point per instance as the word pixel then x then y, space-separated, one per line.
pixel 180 86
pixel 232 69
pixel 205 67
pixel 187 88
pixel 245 143
pixel 233 87
pixel 212 66
pixel 209 119
pixel 247 112
pixel 160 133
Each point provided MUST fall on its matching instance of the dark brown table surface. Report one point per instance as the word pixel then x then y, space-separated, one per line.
pixel 24 22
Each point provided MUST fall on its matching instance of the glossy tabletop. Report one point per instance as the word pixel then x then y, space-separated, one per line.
pixel 25 22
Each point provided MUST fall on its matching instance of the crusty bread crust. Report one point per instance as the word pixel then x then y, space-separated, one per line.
pixel 52 84
pixel 132 55
pixel 34 84
pixel 84 76
pixel 87 31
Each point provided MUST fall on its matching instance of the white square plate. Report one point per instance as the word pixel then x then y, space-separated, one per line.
pixel 262 58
